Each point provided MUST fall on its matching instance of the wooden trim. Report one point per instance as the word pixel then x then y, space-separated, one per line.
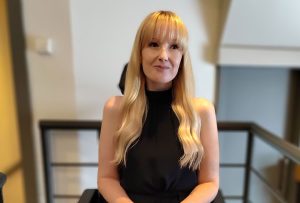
pixel 297 173
pixel 23 103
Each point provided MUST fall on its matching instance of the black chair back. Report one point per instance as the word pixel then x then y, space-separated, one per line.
pixel 2 181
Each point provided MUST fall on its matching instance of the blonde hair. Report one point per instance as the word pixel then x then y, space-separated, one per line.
pixel 134 106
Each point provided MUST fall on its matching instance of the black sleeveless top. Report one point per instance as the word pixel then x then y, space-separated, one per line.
pixel 153 173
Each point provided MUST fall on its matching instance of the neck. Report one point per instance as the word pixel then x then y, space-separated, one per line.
pixel 158 87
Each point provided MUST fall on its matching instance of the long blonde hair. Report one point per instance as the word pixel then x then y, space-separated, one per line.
pixel 134 106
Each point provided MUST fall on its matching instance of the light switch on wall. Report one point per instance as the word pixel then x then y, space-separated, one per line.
pixel 44 45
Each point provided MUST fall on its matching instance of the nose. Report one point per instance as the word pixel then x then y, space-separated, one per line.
pixel 163 54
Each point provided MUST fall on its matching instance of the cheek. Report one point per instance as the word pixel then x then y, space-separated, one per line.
pixel 146 55
pixel 177 60
pixel 143 56
pixel 144 62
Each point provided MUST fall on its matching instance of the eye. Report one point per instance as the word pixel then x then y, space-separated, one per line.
pixel 153 44
pixel 174 46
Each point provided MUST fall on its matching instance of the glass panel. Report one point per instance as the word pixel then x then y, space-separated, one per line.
pixel 267 161
pixel 233 147
pixel 233 201
pixel 73 180
pixel 259 192
pixel 270 178
pixel 232 181
pixel 73 145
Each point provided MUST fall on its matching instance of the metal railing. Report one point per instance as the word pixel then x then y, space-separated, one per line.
pixel 253 130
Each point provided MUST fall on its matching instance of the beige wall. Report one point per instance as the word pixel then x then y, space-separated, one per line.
pixel 10 156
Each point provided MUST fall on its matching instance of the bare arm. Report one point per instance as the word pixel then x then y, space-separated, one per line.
pixel 108 178
pixel 208 180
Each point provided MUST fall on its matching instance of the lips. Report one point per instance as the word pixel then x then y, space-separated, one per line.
pixel 163 67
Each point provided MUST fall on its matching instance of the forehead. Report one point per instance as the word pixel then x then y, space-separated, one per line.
pixel 163 31
pixel 164 27
pixel 166 33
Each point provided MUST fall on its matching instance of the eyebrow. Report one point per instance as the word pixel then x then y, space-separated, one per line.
pixel 156 39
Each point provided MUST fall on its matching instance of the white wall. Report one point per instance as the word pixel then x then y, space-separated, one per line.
pixel 255 94
pixel 51 78
pixel 262 32
pixel 264 23
pixel 92 41
pixel 103 34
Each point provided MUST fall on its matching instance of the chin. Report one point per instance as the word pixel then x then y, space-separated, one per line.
pixel 163 81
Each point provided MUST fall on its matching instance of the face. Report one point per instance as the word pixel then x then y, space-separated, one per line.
pixel 161 60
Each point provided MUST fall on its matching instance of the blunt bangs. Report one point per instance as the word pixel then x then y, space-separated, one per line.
pixel 165 25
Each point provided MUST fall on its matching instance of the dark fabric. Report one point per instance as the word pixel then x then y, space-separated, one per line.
pixel 2 181
pixel 122 79
pixel 93 196
pixel 161 198
pixel 153 173
pixel 219 198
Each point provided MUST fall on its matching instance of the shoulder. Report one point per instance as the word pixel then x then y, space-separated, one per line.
pixel 204 107
pixel 113 105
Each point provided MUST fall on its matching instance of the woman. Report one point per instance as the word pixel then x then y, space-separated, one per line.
pixel 158 143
